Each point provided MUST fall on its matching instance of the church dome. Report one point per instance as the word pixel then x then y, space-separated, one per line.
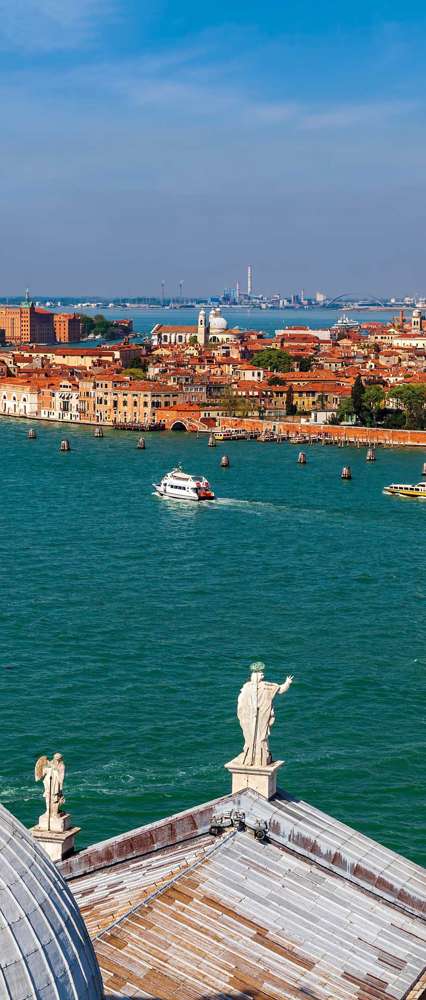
pixel 217 322
pixel 45 949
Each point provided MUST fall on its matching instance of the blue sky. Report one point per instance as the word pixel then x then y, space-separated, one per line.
pixel 145 140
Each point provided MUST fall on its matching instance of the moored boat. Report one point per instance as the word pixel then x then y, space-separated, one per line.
pixel 179 485
pixel 231 434
pixel 416 491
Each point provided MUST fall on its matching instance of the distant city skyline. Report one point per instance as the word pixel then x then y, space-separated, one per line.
pixel 172 142
pixel 231 296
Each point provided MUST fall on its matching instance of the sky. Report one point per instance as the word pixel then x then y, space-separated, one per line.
pixel 144 141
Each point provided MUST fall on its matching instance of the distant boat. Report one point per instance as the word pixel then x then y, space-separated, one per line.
pixel 416 492
pixel 231 434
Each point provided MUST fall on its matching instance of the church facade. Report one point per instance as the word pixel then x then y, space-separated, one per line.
pixel 211 330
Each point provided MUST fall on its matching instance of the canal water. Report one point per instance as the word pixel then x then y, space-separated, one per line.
pixel 128 623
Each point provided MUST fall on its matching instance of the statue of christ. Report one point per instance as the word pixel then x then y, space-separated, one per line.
pixel 256 715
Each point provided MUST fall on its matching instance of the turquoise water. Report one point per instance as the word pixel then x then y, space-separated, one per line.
pixel 128 623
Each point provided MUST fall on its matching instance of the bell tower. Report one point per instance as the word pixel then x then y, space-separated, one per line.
pixel 203 328
pixel 416 321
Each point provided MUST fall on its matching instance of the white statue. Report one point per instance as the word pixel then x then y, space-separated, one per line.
pixel 52 773
pixel 256 715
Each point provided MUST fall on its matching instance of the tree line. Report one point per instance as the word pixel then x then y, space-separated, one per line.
pixel 401 406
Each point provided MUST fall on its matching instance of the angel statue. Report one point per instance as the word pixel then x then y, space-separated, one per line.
pixel 256 715
pixel 52 773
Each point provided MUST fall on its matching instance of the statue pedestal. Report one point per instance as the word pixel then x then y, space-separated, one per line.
pixel 55 823
pixel 57 844
pixel 260 779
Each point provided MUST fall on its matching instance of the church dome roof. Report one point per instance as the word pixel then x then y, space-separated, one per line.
pixel 216 321
pixel 45 949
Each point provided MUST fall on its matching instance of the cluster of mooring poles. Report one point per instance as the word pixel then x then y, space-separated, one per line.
pixel 225 463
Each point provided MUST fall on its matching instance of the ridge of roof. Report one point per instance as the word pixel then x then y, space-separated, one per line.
pixel 159 890
pixel 293 824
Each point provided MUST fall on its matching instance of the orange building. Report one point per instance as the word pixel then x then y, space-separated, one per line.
pixel 110 398
pixel 67 327
pixel 25 324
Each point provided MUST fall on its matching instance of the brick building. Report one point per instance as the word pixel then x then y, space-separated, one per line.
pixel 26 324
pixel 67 328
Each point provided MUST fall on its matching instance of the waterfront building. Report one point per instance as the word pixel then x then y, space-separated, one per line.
pixel 68 328
pixel 311 395
pixel 111 398
pixel 26 324
pixel 59 400
pixel 19 397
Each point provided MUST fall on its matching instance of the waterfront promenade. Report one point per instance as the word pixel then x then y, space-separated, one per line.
pixel 184 419
pixel 332 433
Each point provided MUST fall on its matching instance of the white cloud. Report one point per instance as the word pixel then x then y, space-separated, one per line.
pixel 51 24
pixel 331 117
pixel 355 115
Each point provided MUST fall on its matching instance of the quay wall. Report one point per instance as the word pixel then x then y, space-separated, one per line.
pixel 331 432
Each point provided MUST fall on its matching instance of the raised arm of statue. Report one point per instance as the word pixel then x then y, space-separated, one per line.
pixel 284 687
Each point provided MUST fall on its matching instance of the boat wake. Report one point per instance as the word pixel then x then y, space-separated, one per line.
pixel 252 504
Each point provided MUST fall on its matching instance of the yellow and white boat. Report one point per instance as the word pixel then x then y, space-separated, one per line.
pixel 418 491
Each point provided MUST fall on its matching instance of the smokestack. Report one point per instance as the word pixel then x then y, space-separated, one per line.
pixel 249 280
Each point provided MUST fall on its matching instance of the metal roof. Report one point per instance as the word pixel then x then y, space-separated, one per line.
pixel 317 910
pixel 105 895
pixel 45 950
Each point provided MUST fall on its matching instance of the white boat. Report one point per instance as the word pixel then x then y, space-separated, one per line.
pixel 179 485
pixel 231 434
pixel 417 492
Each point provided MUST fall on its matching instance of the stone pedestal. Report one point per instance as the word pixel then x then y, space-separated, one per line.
pixel 58 841
pixel 260 779
pixel 55 823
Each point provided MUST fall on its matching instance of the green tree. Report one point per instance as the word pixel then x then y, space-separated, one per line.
pixel 412 399
pixel 193 340
pixel 87 324
pixel 305 364
pixel 357 396
pixel 247 406
pixel 135 372
pixel 273 360
pixel 373 400
pixel 141 363
pixel 394 419
pixel 290 406
pixel 276 380
pixel 345 410
pixel 107 331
